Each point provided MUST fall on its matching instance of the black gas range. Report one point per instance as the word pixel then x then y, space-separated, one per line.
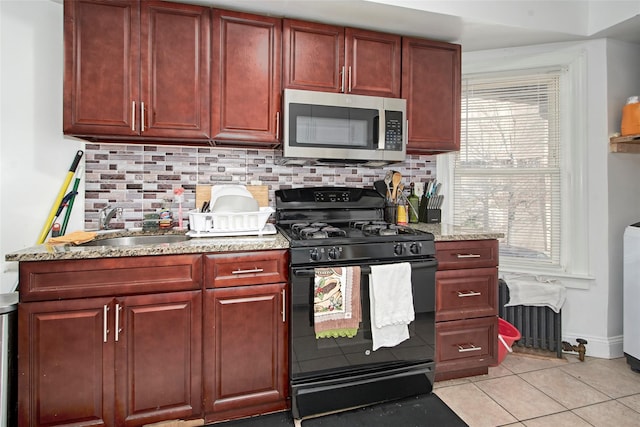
pixel 338 228
pixel 342 224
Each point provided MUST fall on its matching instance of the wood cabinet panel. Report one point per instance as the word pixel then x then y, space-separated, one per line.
pixel 48 280
pixel 467 254
pixel 463 294
pixel 466 307
pixel 65 368
pixel 158 358
pixel 466 344
pixel 102 66
pixel 373 63
pixel 246 268
pixel 175 73
pixel 431 84
pixel 245 351
pixel 136 69
pixel 247 57
pixel 313 56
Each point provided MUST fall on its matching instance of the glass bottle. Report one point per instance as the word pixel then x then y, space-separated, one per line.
pixel 414 202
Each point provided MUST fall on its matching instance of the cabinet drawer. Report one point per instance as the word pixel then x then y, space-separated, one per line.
pixel 465 344
pixel 246 268
pixel 464 294
pixel 452 255
pixel 52 280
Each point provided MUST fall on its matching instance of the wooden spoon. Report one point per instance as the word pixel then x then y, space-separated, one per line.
pixel 395 181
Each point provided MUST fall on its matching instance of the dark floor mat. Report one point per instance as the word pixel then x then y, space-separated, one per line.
pixel 420 411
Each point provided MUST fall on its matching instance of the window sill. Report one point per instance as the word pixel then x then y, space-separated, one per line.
pixel 570 281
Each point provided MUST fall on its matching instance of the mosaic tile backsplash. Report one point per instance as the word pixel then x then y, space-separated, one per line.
pixel 141 179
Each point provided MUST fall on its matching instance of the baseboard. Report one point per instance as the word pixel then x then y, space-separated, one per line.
pixel 603 348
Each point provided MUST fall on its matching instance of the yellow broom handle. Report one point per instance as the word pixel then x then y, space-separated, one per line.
pixel 61 193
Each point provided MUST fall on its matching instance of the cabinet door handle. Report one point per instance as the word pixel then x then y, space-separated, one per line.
pixel 105 316
pixel 255 270
pixel 284 306
pixel 142 117
pixel 468 255
pixel 342 80
pixel 349 79
pixel 278 126
pixel 463 294
pixel 133 116
pixel 463 349
pixel 118 330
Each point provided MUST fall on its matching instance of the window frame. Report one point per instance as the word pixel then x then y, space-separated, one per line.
pixel 574 235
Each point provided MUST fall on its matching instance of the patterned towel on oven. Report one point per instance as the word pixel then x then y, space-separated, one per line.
pixel 336 302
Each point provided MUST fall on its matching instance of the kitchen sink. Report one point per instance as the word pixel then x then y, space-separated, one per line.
pixel 138 240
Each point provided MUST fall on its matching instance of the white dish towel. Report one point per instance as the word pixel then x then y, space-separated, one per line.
pixel 391 304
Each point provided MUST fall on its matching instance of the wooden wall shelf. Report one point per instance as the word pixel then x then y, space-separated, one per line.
pixel 625 144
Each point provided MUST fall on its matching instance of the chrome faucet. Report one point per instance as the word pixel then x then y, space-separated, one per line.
pixel 106 215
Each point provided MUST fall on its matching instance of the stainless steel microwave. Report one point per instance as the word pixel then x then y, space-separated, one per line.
pixel 324 127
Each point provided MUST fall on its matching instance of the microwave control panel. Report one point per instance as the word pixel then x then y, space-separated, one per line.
pixel 393 130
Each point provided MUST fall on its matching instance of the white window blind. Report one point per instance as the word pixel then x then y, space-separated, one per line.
pixel 507 174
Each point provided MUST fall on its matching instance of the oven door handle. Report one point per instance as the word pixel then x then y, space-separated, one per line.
pixel 366 269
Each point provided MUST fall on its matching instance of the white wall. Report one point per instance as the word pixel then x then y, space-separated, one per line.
pixel 34 155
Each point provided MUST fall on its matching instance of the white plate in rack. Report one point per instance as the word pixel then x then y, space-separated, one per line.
pixel 266 230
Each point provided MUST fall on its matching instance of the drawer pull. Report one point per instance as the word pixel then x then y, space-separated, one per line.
pixel 255 270
pixel 463 349
pixel 463 294
pixel 468 255
pixel 105 330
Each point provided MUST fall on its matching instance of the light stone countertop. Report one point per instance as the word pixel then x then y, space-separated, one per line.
pixel 48 252
pixel 448 232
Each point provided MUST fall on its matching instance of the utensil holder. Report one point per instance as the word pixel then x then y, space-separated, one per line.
pixel 391 213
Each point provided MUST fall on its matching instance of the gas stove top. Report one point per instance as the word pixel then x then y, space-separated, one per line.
pixel 342 224
pixel 361 231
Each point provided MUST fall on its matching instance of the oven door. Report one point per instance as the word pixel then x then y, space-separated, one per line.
pixel 318 359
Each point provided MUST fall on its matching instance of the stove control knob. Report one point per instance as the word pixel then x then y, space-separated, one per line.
pixel 415 248
pixel 315 254
pixel 334 253
pixel 398 249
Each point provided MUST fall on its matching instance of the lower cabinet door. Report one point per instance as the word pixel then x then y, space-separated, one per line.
pixel 65 363
pixel 466 344
pixel 158 357
pixel 245 354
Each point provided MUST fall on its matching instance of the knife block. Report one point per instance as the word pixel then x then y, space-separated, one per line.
pixel 430 216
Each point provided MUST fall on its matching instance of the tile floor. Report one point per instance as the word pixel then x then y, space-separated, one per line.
pixel 532 390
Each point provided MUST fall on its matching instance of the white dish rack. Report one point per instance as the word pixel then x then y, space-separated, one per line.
pixel 219 222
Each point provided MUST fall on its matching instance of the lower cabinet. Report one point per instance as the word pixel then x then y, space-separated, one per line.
pixel 466 307
pixel 245 335
pixel 245 345
pixel 110 361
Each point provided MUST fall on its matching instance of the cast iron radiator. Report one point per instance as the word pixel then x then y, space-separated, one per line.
pixel 540 327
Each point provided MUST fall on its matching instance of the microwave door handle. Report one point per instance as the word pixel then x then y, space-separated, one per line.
pixel 382 136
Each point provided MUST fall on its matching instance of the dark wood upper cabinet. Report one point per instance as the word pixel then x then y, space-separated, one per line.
pixel 373 63
pixel 136 69
pixel 431 85
pixel 246 75
pixel 334 59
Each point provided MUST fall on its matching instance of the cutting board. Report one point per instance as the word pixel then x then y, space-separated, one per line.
pixel 259 192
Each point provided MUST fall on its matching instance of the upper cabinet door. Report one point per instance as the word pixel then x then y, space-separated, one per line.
pixel 313 56
pixel 246 74
pixel 175 75
pixel 431 85
pixel 372 63
pixel 101 67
